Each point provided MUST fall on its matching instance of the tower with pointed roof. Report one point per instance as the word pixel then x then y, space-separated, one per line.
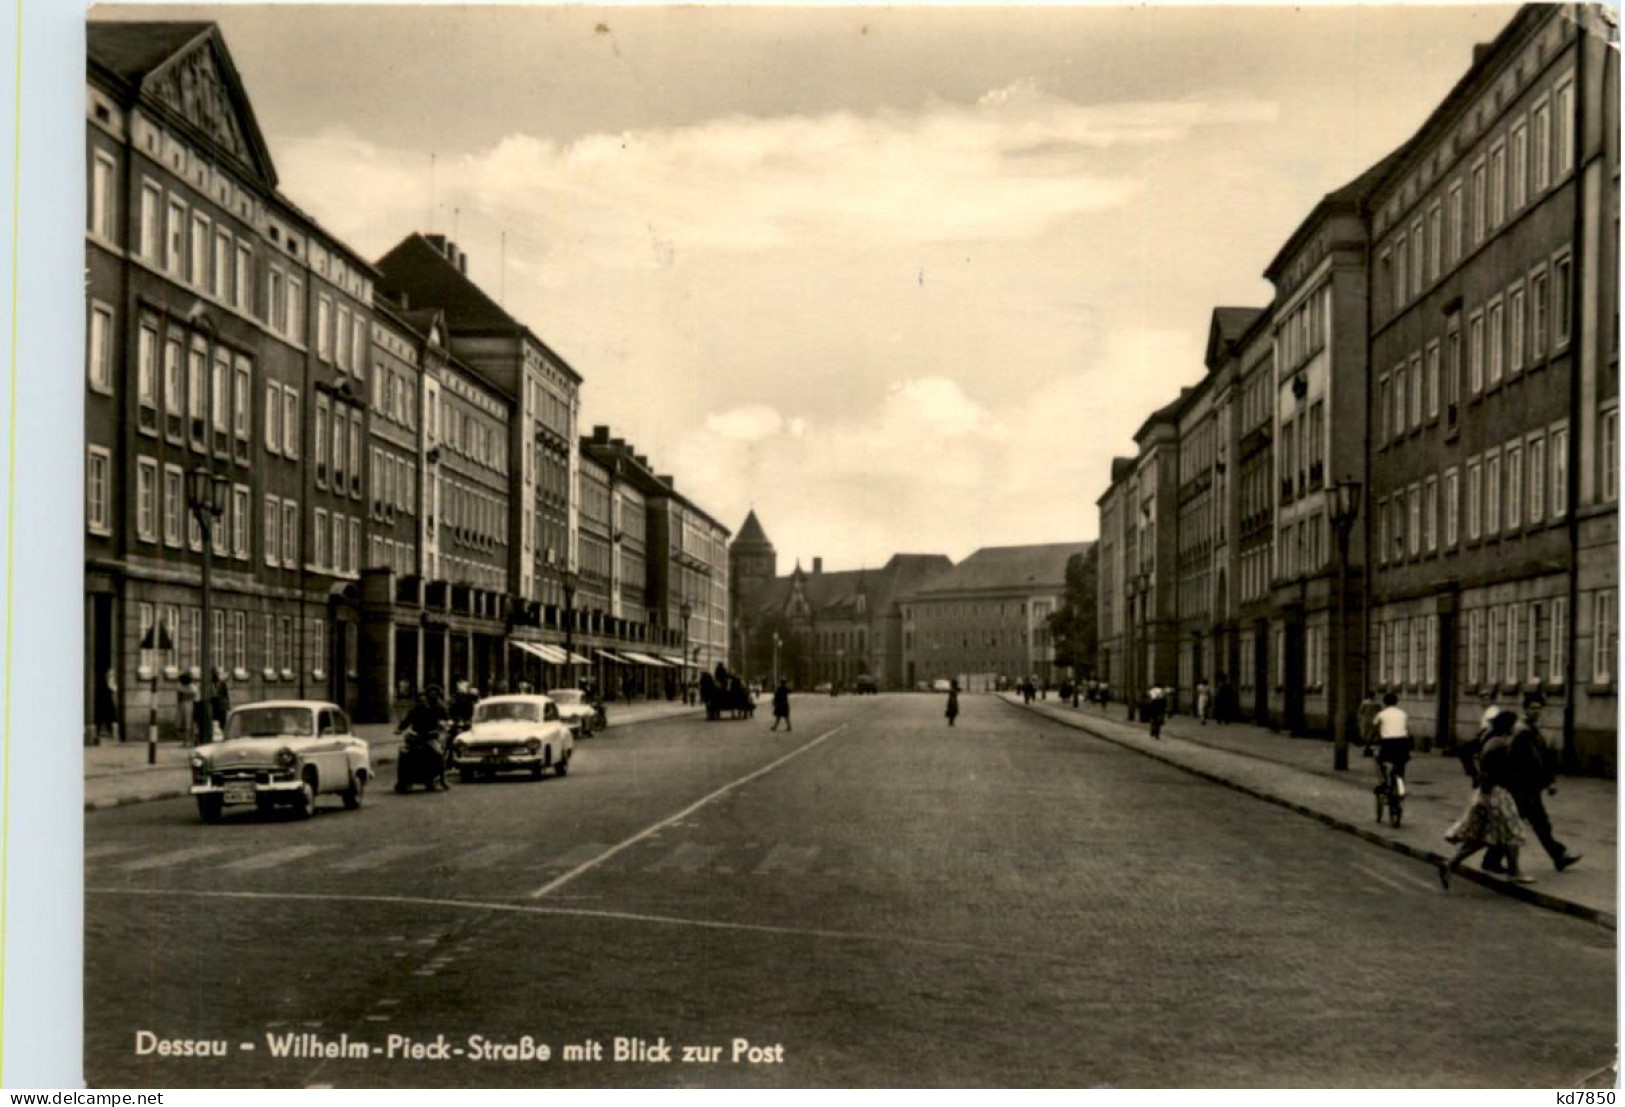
pixel 753 563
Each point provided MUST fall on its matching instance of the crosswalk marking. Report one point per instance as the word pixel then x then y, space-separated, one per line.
pixel 489 856
pixel 794 860
pixel 172 858
pixel 272 858
pixel 686 858
pixel 377 858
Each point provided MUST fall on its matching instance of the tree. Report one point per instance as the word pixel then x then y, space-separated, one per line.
pixel 1074 628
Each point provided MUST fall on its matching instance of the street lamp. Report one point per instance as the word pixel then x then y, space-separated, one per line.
pixel 569 578
pixel 1344 508
pixel 206 494
pixel 1139 588
pixel 685 610
pixel 777 642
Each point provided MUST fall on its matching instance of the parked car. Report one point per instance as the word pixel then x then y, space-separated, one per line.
pixel 941 686
pixel 578 711
pixel 866 685
pixel 519 733
pixel 822 688
pixel 281 753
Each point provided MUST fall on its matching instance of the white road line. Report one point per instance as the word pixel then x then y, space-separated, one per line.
pixel 795 860
pixel 569 912
pixel 559 882
pixel 273 858
pixel 106 849
pixel 689 857
pixel 377 858
pixel 172 858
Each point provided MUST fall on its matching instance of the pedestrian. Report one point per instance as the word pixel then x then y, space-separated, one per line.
pixel 1156 709
pixel 1204 700
pixel 781 706
pixel 1367 721
pixel 1491 819
pixel 185 707
pixel 953 700
pixel 220 701
pixel 1529 774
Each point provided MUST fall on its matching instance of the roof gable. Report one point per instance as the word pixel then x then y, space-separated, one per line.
pixel 185 71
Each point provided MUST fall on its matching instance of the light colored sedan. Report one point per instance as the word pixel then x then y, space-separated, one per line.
pixel 281 753
pixel 577 710
pixel 519 733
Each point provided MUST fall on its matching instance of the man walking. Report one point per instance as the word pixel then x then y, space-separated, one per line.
pixel 1528 774
pixel 1156 709
pixel 781 706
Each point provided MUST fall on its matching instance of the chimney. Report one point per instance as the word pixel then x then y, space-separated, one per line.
pixel 1479 50
pixel 668 481
pixel 600 434
pixel 818 565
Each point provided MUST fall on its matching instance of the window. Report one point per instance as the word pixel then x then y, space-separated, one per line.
pixel 1475 500
pixel 1520 165
pixel 1418 258
pixel 243 299
pixel 1497 646
pixel 273 418
pixel 1560 639
pixel 239 522
pixel 1458 222
pixel 1529 648
pixel 222 265
pixel 1492 492
pixel 1497 342
pixel 1562 290
pixel 1433 379
pixel 321 538
pixel 322 421
pixel 242 397
pixel 174 504
pixel 98 490
pixel 201 237
pixel 1537 479
pixel 358 355
pixel 222 398
pixel 99 367
pixel 341 341
pixel 152 202
pixel 1399 399
pixel 1604 639
pixel 1435 240
pixel 1481 206
pixel 1475 352
pixel 1537 314
pixel 1416 391
pixel 1384 430
pixel 1514 486
pixel 1515 320
pixel 324 323
pixel 355 453
pixel 1498 184
pixel 1430 514
pixel 1402 270
pixel 1541 138
pixel 355 543
pixel 175 240
pixel 290 534
pixel 1419 636
pixel 239 639
pixel 1475 647
pixel 268 645
pixel 217 645
pixel 1609 448
pixel 174 392
pixel 339 564
pixel 1452 506
pixel 1515 619
pixel 1563 124
pixel 146 499
pixel 1560 470
pixel 338 448
pixel 270 527
pixel 1413 530
pixel 277 296
pixel 103 172
pixel 290 423
pixel 1452 369
pixel 296 309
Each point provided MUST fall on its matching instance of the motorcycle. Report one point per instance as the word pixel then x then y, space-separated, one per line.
pixel 423 760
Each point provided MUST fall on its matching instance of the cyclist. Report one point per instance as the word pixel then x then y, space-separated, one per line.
pixel 1394 744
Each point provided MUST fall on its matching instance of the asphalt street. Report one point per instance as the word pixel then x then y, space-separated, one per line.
pixel 874 899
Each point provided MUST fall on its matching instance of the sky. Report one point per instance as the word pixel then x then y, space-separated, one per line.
pixel 901 279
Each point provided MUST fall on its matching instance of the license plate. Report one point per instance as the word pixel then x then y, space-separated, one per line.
pixel 239 793
pixel 497 755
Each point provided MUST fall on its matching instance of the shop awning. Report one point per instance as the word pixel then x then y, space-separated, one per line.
pixel 606 655
pixel 574 658
pixel 677 662
pixel 550 654
pixel 645 659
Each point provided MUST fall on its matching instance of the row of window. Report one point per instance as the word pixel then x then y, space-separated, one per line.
pixel 475 517
pixel 394 484
pixel 1301 457
pixel 1501 645
pixel 1302 333
pixel 386 553
pixel 229 639
pixel 185 244
pixel 1537 151
pixel 340 467
pixel 337 542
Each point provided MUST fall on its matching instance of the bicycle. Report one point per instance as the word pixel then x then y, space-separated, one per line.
pixel 1390 790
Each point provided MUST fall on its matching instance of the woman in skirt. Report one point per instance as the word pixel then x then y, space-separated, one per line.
pixel 1492 818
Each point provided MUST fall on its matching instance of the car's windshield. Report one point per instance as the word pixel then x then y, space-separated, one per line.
pixel 506 712
pixel 270 722
pixel 564 695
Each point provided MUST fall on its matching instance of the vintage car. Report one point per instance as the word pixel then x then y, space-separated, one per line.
pixel 577 710
pixel 519 733
pixel 281 753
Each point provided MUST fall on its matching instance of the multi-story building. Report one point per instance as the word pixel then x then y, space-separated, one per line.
pixel 1251 354
pixel 217 313
pixel 1152 498
pixel 1494 340
pixel 688 577
pixel 985 622
pixel 1112 576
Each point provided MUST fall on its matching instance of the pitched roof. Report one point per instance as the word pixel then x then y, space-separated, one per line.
pixel 131 50
pixel 1007 567
pixel 834 595
pixel 414 270
pixel 751 533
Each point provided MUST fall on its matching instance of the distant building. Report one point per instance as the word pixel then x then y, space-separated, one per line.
pixel 986 619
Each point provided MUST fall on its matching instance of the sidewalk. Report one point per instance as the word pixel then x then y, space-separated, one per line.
pixel 1297 773
pixel 117 773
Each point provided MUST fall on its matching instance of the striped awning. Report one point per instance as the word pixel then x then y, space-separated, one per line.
pixel 606 655
pixel 574 658
pixel 550 654
pixel 645 659
pixel 677 662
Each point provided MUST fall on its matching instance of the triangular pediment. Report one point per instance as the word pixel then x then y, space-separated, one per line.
pixel 200 84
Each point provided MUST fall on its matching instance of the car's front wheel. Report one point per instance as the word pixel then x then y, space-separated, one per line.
pixel 352 797
pixel 210 808
pixel 563 767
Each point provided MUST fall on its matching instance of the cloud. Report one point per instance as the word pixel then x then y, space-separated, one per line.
pixel 745 424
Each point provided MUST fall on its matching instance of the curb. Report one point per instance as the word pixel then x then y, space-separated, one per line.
pixel 1524 892
pixel 386 756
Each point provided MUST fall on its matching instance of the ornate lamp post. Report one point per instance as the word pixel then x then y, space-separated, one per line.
pixel 569 579
pixel 206 494
pixel 777 642
pixel 1344 508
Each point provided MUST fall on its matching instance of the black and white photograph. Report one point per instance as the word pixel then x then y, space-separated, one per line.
pixel 778 547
